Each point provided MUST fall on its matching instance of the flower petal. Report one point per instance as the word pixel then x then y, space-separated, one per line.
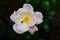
pixel 28 6
pixel 38 17
pixel 17 30
pixel 21 10
pixel 23 28
pixel 33 29
pixel 13 15
pixel 38 14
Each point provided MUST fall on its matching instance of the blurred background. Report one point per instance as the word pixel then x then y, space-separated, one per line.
pixel 48 30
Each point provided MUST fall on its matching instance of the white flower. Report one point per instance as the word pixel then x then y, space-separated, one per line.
pixel 25 19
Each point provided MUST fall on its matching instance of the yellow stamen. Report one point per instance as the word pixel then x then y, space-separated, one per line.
pixel 26 19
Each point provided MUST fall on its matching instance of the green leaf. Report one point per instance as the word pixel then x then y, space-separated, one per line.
pixel 45 6
pixel 47 30
pixel 27 1
pixel 36 2
pixel 46 20
pixel 27 36
pixel 50 17
pixel 51 13
pixel 46 27
pixel 53 1
pixel 12 34
pixel 11 23
pixel 53 4
pixel 37 36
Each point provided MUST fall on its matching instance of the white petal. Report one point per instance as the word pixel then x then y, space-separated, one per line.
pixel 39 21
pixel 17 30
pixel 33 29
pixel 21 10
pixel 13 15
pixel 23 28
pixel 38 14
pixel 28 6
pixel 38 17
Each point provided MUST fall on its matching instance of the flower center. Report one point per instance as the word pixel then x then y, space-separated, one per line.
pixel 26 18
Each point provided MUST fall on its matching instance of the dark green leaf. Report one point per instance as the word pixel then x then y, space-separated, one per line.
pixel 46 6
pixel 12 34
pixel 27 36
pixel 46 27
pixel 51 13
pixel 27 1
pixel 37 36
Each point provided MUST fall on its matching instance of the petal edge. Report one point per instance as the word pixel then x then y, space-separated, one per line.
pixel 16 30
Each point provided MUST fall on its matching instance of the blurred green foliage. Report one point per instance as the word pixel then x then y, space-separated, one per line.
pixel 27 36
pixel 37 36
pixel 46 6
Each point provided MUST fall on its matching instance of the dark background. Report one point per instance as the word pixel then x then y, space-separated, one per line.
pixel 6 32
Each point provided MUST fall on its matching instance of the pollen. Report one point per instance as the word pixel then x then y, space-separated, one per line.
pixel 26 19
